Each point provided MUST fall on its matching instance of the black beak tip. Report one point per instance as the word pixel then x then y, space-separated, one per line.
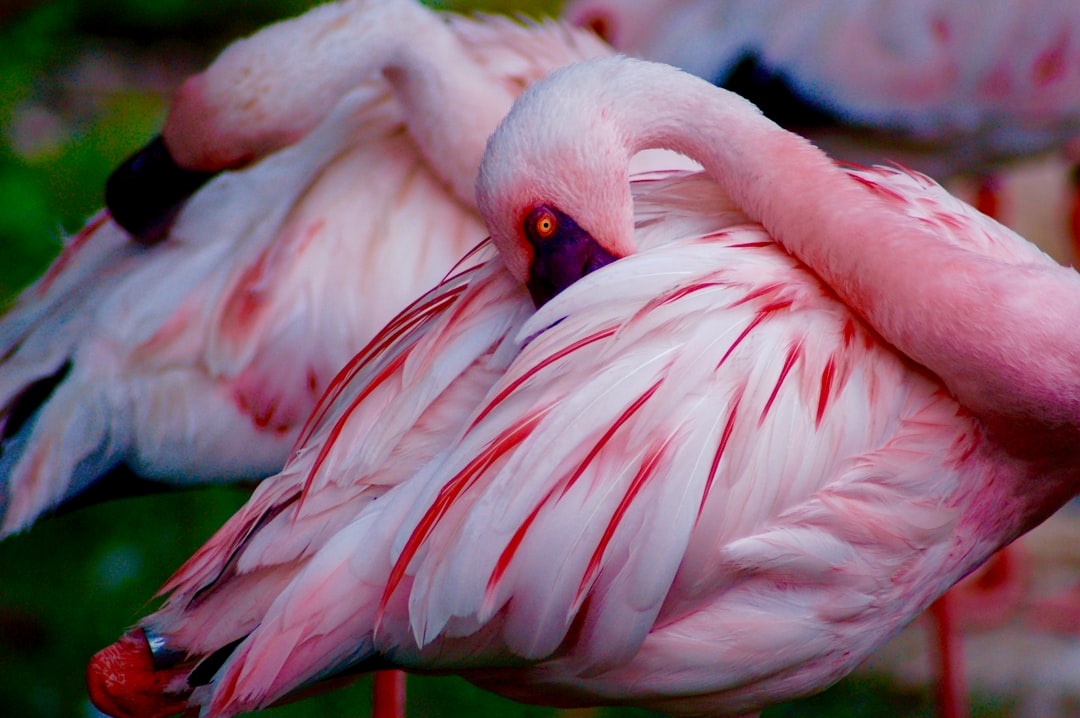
pixel 147 191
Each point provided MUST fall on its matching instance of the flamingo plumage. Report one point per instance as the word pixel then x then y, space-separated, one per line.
pixel 715 473
pixel 196 352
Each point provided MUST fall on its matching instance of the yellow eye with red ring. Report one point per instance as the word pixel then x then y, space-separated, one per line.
pixel 541 224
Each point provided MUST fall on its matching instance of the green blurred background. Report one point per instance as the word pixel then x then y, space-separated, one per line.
pixel 82 85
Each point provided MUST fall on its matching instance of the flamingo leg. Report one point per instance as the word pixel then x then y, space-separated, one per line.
pixel 988 196
pixel 1074 213
pixel 952 686
pixel 388 695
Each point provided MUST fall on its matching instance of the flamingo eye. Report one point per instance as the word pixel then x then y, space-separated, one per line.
pixel 541 223
pixel 601 25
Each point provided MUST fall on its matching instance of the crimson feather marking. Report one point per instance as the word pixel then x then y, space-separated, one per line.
pixel 749 328
pixel 879 188
pixel 398 327
pixel 827 376
pixel 793 354
pixel 508 553
pixel 762 314
pixel 456 271
pixel 762 291
pixel 540 366
pixel 849 333
pixel 644 473
pixel 566 484
pixel 393 331
pixel 226 693
pixel 448 495
pixel 615 426
pixel 682 292
pixel 388 371
pixel 725 436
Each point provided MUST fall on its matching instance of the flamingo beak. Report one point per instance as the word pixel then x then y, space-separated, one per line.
pixel 147 191
pixel 563 258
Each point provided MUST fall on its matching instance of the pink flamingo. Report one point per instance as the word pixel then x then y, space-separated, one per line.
pixel 712 475
pixel 943 87
pixel 198 358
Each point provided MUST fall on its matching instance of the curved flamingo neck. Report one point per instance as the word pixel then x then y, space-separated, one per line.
pixel 1002 336
pixel 268 91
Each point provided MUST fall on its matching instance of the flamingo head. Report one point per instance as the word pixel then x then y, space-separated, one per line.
pixel 554 190
pixel 624 24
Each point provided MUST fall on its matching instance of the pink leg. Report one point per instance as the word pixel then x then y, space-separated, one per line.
pixel 987 598
pixel 952 686
pixel 988 196
pixel 1074 215
pixel 388 695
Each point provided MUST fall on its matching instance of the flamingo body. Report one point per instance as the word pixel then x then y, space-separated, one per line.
pixel 703 566
pixel 199 358
pixel 694 480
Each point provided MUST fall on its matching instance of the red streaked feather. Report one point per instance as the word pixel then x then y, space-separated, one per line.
pixel 566 484
pixel 753 245
pixel 762 314
pixel 548 361
pixel 457 270
pixel 827 376
pixel 762 291
pixel 793 354
pixel 512 546
pixel 394 330
pixel 725 436
pixel 880 188
pixel 615 426
pixel 849 333
pixel 681 292
pixel 449 494
pixel 388 371
pixel 646 471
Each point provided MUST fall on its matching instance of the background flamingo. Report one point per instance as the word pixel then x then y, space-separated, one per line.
pixel 947 88
pixel 198 359
pixel 640 428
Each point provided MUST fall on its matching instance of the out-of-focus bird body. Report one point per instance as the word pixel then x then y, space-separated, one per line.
pixel 199 358
pixel 945 87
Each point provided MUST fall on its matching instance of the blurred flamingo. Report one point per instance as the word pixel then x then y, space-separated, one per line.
pixel 945 87
pixel 711 475
pixel 195 353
